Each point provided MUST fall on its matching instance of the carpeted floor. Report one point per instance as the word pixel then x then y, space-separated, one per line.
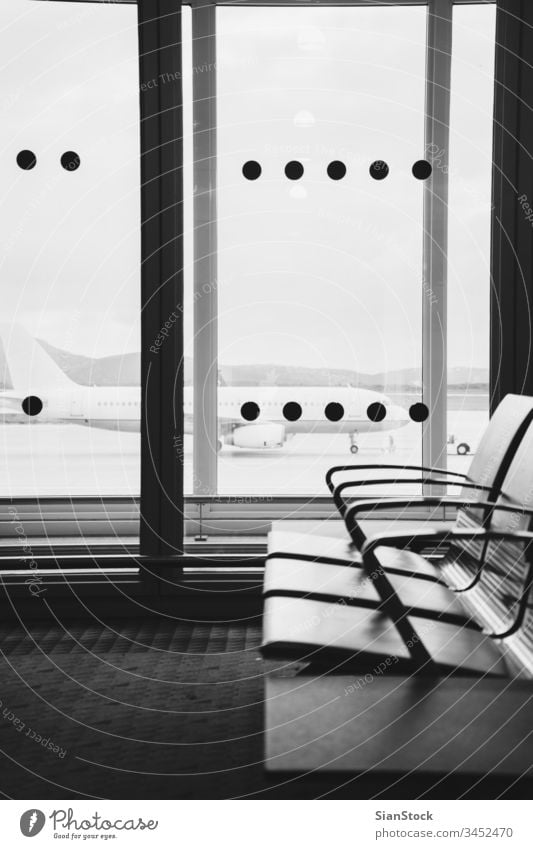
pixel 145 709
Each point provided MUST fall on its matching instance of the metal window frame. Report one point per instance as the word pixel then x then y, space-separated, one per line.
pixel 295 3
pixel 435 239
pixel 512 193
pixel 161 514
pixel 162 495
pixel 205 247
pixel 95 525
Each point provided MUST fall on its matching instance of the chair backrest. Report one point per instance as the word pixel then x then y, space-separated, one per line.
pixel 489 467
pixel 500 599
pixel 507 567
pixel 498 445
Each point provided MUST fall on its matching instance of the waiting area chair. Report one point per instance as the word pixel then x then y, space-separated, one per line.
pixel 397 614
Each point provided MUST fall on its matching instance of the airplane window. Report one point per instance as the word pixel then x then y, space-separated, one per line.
pixel 379 169
pixel 336 170
pixel 292 411
pixel 70 161
pixel 422 169
pixel 294 170
pixel 376 412
pixel 250 411
pixel 334 411
pixel 418 412
pixel 26 160
pixel 251 170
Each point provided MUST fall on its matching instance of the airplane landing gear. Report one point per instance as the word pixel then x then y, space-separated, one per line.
pixel 354 448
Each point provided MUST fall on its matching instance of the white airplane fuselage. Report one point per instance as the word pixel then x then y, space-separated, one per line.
pixel 118 408
pixel 252 417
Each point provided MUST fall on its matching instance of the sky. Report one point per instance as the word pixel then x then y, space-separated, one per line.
pixel 324 273
pixel 312 272
pixel 69 258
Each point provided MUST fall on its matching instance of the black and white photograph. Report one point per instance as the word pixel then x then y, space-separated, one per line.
pixel 266 421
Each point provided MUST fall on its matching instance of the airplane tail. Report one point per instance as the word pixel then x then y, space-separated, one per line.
pixel 31 370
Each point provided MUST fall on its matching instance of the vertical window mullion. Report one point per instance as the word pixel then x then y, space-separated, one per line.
pixel 161 277
pixel 512 187
pixel 435 239
pixel 205 353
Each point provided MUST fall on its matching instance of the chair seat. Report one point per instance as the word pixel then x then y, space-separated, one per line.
pixel 325 582
pixel 314 547
pixel 340 636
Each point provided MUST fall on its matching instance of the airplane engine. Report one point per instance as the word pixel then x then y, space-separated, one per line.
pixel 257 436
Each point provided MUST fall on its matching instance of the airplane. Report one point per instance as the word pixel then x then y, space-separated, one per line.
pixel 252 417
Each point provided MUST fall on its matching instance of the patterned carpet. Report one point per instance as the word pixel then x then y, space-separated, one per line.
pixel 142 709
pixel 153 709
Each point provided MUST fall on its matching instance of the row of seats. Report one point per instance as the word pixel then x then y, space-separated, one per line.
pixel 413 648
pixel 349 603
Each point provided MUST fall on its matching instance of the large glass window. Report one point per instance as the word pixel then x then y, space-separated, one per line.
pixel 70 256
pixel 322 157
pixel 320 127
pixel 306 162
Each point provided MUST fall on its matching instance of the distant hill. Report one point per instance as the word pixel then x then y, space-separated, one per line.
pixel 125 370
pixel 401 379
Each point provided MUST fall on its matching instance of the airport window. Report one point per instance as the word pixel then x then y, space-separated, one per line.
pixel 70 219
pixel 325 285
pixel 310 305
pixel 329 258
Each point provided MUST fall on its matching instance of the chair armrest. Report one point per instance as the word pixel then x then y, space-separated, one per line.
pixel 399 540
pixel 365 505
pixel 352 508
pixel 345 510
pixel 425 480
pixel 362 467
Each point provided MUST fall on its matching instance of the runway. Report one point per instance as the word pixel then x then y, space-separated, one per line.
pixel 69 460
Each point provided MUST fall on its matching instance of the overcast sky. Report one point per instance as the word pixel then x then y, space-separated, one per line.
pixel 69 257
pixel 336 266
pixel 311 272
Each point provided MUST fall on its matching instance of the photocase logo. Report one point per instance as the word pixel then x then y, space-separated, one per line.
pixel 32 822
